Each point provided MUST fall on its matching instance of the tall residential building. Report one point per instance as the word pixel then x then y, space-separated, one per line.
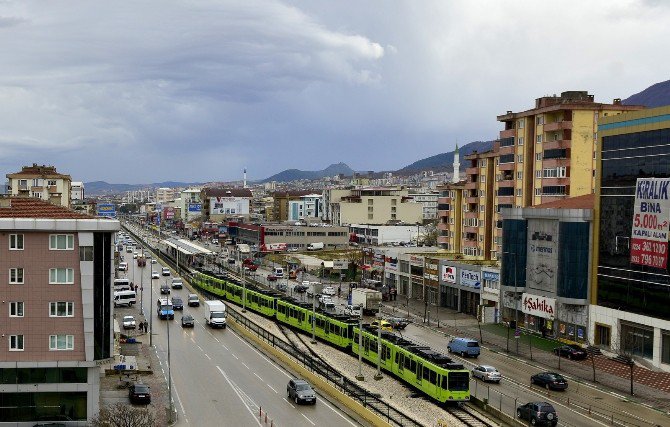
pixel 77 191
pixel 282 199
pixel 450 214
pixel 41 182
pixel 373 205
pixel 548 153
pixel 629 312
pixel 56 317
pixel 164 195
pixel 190 204
pixel 308 206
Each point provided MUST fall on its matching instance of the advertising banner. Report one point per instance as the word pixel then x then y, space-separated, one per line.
pixel 649 238
pixel 273 247
pixel 448 274
pixel 492 276
pixel 168 212
pixel 107 210
pixel 538 306
pixel 195 207
pixel 542 258
pixel 471 279
pixel 340 264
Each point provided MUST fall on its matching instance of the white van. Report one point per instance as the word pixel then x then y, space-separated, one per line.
pixel 278 272
pixel 123 266
pixel 124 298
pixel 121 285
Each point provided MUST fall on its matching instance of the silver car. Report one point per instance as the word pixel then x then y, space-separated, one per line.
pixel 129 322
pixel 300 391
pixel 486 373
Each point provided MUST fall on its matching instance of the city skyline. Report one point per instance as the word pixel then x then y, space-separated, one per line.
pixel 200 91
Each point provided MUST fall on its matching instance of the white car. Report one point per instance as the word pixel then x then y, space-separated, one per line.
pixel 486 373
pixel 353 310
pixel 155 275
pixel 329 290
pixel 135 255
pixel 325 298
pixel 153 261
pixel 128 322
pixel 166 271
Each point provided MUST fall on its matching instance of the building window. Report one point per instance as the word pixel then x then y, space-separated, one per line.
pixel 519 175
pixel 519 123
pixel 539 120
pixel 61 342
pixel 538 191
pixel 16 309
pixel 538 174
pixel 538 156
pixel 61 309
pixel 51 182
pixel 394 202
pixel 665 347
pixel 16 343
pixel 519 192
pixel 481 193
pixel 370 201
pixel 371 208
pixel 481 208
pixel 16 276
pixel 61 276
pixel 482 163
pixel 370 216
pixel 519 158
pixel 16 242
pixel 538 138
pixel 520 140
pixel 85 253
pixel 37 195
pixel 482 178
pixel 61 242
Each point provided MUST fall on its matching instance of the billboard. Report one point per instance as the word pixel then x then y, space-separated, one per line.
pixel 107 210
pixel 542 254
pixel 340 264
pixel 272 247
pixel 448 274
pixel 651 214
pixel 195 207
pixel 538 306
pixel 168 212
pixel 471 279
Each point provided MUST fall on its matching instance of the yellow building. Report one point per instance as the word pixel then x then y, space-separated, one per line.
pixel 42 182
pixel 372 205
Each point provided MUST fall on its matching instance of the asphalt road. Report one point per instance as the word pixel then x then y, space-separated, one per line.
pixel 220 379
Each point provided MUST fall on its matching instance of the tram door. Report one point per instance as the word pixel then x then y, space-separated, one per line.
pixel 419 372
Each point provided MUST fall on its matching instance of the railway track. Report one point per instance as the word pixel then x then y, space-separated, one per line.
pixel 469 417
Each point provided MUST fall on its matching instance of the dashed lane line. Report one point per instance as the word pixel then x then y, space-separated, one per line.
pixel 312 422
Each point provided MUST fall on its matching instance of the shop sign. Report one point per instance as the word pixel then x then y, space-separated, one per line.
pixel 416 260
pixel 651 220
pixel 470 279
pixel 391 263
pixel 448 274
pixel 538 306
pixel 492 276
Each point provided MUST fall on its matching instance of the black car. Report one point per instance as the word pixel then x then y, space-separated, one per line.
pixel 165 289
pixel 300 391
pixel 538 413
pixel 571 351
pixel 139 393
pixel 549 380
pixel 300 289
pixel 231 261
pixel 398 322
pixel 187 321
pixel 177 303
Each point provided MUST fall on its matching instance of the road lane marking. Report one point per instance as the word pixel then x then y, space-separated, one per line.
pixel 179 400
pixel 263 356
pixel 258 376
pixel 207 356
pixel 192 340
pixel 245 365
pixel 236 357
pixel 308 419
pixel 200 348
pixel 239 394
pixel 286 400
pixel 272 388
pixel 217 340
pixel 225 347
pixel 323 401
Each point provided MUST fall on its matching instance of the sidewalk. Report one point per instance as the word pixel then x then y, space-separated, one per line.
pixel 650 387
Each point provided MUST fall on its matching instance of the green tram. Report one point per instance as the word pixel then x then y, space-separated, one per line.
pixel 433 373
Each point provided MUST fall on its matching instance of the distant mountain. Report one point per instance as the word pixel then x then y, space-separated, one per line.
pixel 446 160
pixel 100 188
pixel 296 174
pixel 656 95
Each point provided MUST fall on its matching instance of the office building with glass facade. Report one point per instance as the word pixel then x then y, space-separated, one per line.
pixel 629 311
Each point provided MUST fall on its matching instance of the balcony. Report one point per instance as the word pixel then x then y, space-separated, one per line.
pixel 472 170
pixel 507 133
pixel 506 166
pixel 472 230
pixel 470 214
pixel 506 183
pixel 443 213
pixel 471 185
pixel 555 181
pixel 472 199
pixel 562 125
pixel 442 239
pixel 552 163
pixel 558 144
pixel 506 150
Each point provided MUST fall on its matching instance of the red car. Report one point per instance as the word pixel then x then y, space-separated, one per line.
pixel 272 278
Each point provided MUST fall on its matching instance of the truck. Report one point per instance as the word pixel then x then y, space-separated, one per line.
pixel 367 299
pixel 315 246
pixel 215 314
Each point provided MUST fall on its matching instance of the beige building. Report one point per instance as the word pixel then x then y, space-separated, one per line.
pixel 372 205
pixel 164 195
pixel 280 208
pixel 41 182
pixel 57 313
pixel 222 204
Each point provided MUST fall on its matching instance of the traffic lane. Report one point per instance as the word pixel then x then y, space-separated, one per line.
pixel 516 383
pixel 201 398
pixel 261 380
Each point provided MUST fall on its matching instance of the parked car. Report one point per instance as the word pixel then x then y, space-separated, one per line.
pixel 386 326
pixel 549 380
pixel 231 260
pixel 464 346
pixel 177 283
pixel 123 266
pixel 193 300
pixel 129 322
pixel 165 271
pixel 135 255
pixel 571 351
pixel 165 289
pixel 281 286
pixel 538 413
pixel 300 391
pixel 153 261
pixel 155 275
pixel 329 290
pixel 301 289
pixel 398 322
pixel 486 373
pixel 139 393
pixel 187 321
pixel 272 278
pixel 353 310
pixel 177 303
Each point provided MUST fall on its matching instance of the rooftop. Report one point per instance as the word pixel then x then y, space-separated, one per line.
pixel 40 170
pixel 30 207
pixel 227 192
pixel 586 201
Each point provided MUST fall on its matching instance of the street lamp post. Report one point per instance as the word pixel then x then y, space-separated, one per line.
pixel 244 295
pixel 168 369
pixel 378 375
pixel 142 285
pixel 516 311
pixel 151 298
pixel 314 312
pixel 360 376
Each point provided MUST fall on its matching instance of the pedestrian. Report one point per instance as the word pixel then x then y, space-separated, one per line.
pixel 339 291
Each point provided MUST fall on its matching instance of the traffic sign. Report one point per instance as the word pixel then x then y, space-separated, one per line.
pixel 517 333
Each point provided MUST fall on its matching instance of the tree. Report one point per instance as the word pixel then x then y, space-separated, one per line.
pixel 123 415
pixel 429 236
pixel 625 350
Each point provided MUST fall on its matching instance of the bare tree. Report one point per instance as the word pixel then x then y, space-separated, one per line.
pixel 625 350
pixel 123 415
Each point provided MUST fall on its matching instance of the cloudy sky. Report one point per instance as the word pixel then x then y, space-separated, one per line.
pixel 149 91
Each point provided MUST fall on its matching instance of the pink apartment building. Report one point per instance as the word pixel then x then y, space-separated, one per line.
pixel 56 274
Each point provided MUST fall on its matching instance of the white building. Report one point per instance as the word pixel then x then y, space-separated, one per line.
pixel 309 206
pixel 190 204
pixel 77 191
pixel 164 195
pixel 377 235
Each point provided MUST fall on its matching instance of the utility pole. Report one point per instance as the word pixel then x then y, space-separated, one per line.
pixel 142 284
pixel 168 369
pixel 151 298
pixel 360 376
pixel 378 375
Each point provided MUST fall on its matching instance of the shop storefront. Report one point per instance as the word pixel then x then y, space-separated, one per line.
pixel 539 313
pixel 490 307
pixel 470 282
pixel 416 274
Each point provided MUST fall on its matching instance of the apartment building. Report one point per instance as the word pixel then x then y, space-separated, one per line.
pixel 164 195
pixel 293 236
pixel 427 199
pixel 372 205
pixel 629 303
pixel 41 182
pixel 281 207
pixel 56 315
pixel 306 207
pixel 221 204
pixel 77 191
pixel 190 204
pixel 450 215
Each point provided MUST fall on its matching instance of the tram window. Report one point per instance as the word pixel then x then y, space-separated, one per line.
pixel 433 377
pixel 408 363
